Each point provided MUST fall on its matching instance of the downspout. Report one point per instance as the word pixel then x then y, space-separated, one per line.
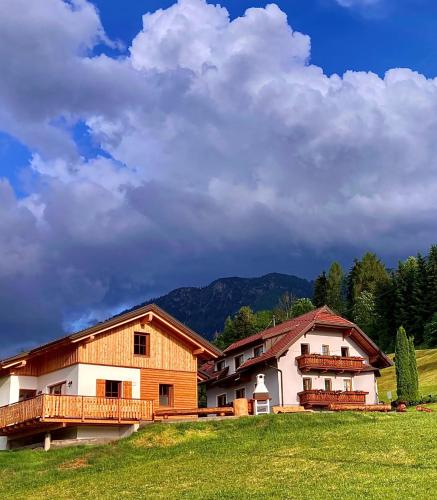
pixel 281 403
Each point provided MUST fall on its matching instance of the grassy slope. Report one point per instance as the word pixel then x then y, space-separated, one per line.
pixel 313 456
pixel 427 367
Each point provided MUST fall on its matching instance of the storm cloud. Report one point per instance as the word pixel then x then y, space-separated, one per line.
pixel 221 150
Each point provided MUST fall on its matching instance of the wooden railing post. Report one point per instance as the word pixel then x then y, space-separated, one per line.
pixel 119 411
pixel 82 412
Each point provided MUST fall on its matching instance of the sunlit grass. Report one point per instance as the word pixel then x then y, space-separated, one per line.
pixel 315 456
pixel 427 368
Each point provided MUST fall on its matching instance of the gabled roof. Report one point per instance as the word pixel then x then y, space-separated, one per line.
pixel 286 333
pixel 107 325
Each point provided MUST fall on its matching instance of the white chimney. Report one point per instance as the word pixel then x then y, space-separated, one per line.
pixel 261 391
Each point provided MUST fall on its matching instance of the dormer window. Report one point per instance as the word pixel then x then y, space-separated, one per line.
pixel 220 365
pixel 257 351
pixel 238 361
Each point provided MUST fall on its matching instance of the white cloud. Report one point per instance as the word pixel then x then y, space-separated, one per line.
pixel 229 153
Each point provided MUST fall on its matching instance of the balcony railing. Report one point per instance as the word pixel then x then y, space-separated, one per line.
pixel 322 362
pixel 316 397
pixel 71 409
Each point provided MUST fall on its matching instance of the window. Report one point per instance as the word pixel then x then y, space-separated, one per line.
pixel 304 349
pixel 220 365
pixel 307 384
pixel 347 383
pixel 26 394
pixel 142 344
pixel 328 384
pixel 345 352
pixel 165 395
pixel 325 350
pixel 238 361
pixel 57 389
pixel 240 393
pixel 112 389
pixel 257 351
pixel 221 400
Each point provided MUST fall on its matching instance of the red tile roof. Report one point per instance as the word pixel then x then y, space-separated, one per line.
pixel 286 326
pixel 287 332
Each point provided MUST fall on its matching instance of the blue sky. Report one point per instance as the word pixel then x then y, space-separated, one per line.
pixel 143 154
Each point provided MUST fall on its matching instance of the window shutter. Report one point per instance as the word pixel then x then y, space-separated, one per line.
pixel 148 344
pixel 127 389
pixel 100 388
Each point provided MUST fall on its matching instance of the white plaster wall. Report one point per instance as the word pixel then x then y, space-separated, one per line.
pixel 68 374
pixel 5 390
pixel 335 341
pixel 247 354
pixel 88 374
pixel 293 378
pixel 367 382
pixel 271 381
pixel 105 431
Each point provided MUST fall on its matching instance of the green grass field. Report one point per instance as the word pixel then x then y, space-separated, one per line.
pixel 427 367
pixel 317 456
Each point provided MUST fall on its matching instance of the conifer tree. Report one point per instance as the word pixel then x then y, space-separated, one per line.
pixel 430 336
pixel 364 314
pixel 414 396
pixel 403 366
pixel 418 306
pixel 431 285
pixel 320 297
pixel 334 288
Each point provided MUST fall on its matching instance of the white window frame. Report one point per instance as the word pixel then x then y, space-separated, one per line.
pixel 324 383
pixel 347 350
pixel 321 350
pixel 351 384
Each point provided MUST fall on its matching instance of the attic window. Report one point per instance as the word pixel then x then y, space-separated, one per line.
pixel 257 351
pixel 238 360
pixel 220 365
pixel 142 344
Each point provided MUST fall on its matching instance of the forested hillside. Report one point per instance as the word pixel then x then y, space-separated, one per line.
pixel 205 309
pixel 376 298
pixel 380 300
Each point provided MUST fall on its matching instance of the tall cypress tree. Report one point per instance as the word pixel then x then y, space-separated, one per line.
pixel 414 394
pixel 320 297
pixel 403 366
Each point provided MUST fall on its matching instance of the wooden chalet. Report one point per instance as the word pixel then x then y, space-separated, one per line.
pixel 102 381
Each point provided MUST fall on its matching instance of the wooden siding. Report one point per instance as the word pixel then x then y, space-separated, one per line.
pixel 116 348
pixel 184 386
pixel 50 362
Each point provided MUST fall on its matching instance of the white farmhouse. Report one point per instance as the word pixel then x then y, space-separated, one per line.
pixel 313 360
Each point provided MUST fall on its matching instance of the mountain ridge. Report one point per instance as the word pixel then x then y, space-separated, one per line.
pixel 205 308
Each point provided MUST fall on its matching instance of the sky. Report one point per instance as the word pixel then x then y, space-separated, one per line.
pixel 150 145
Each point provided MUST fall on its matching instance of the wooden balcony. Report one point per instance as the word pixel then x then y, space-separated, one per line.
pixel 320 362
pixel 316 397
pixel 49 409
